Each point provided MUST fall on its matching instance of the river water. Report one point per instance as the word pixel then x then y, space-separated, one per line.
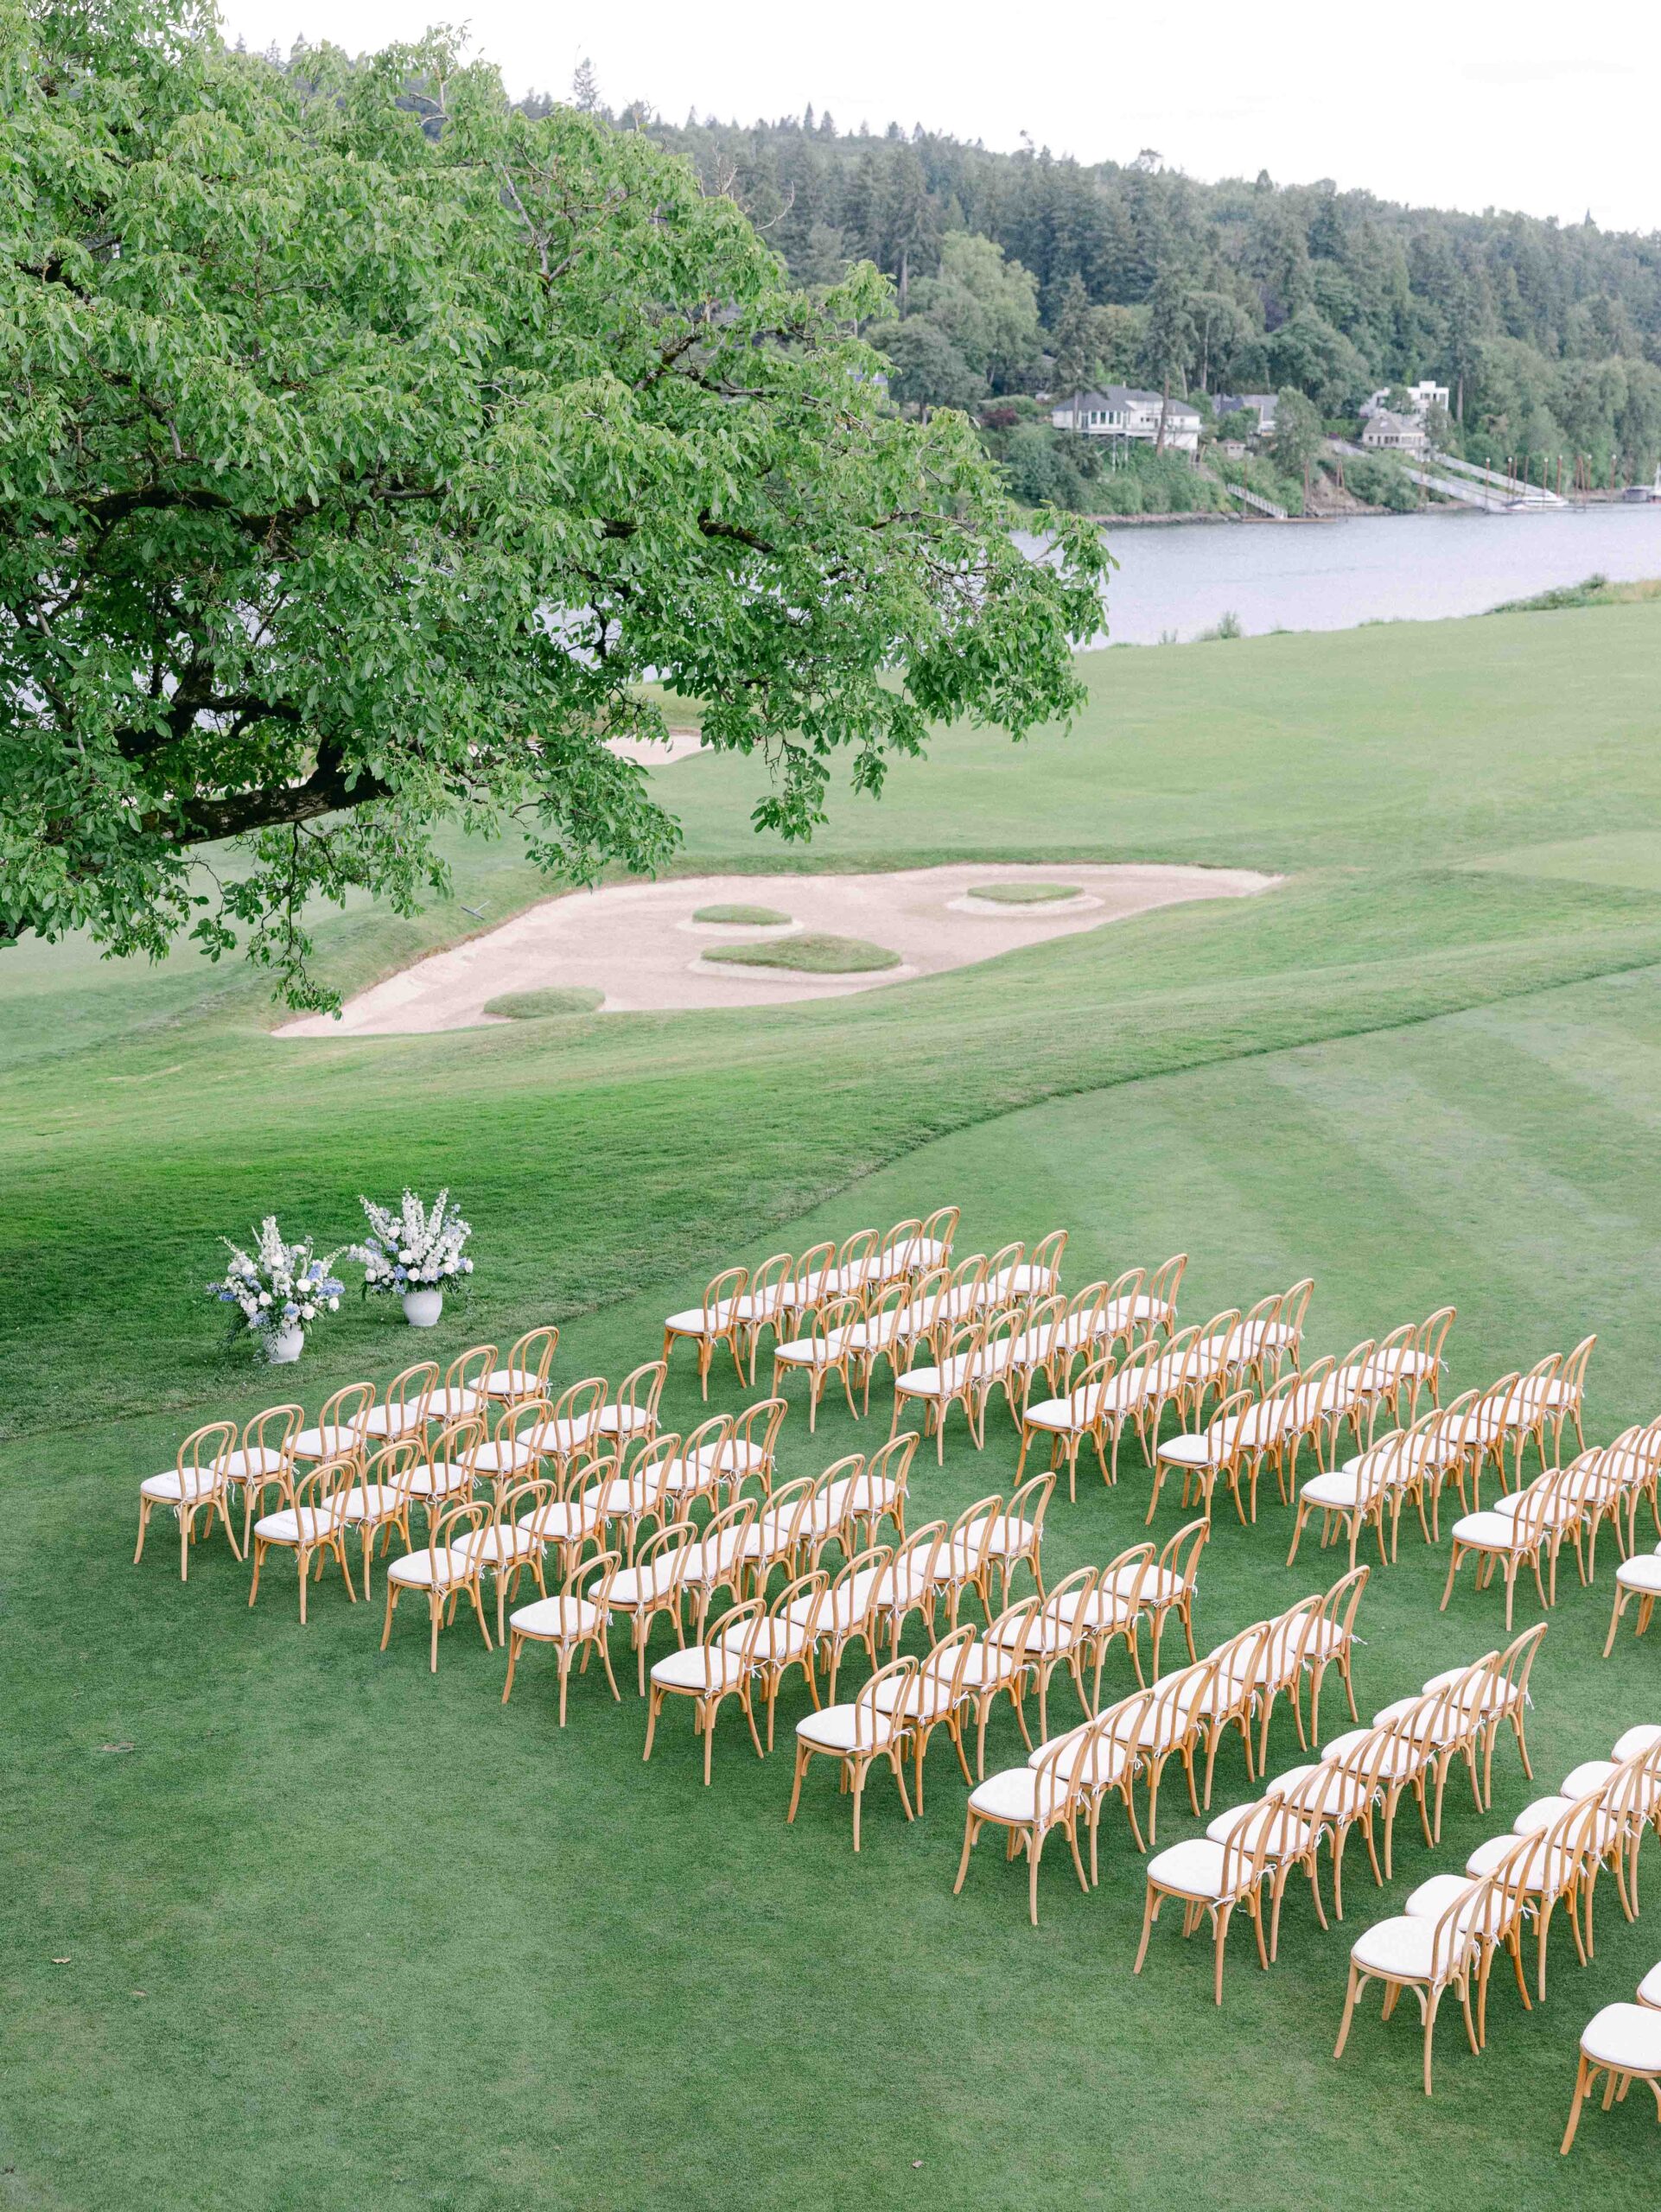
pixel 1331 576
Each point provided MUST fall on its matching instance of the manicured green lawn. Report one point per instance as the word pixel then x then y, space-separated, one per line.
pixel 398 1942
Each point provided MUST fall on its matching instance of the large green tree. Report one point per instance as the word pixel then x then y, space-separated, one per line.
pixel 988 307
pixel 365 445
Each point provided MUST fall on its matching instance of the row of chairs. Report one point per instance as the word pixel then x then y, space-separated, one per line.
pixel 1259 1416
pixel 1454 1925
pixel 944 1313
pixel 739 1303
pixel 1417 1463
pixel 268 1452
pixel 1017 1653
pixel 1248 1853
pixel 1067 1777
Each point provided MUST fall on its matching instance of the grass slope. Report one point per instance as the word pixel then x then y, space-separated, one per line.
pixel 395 1940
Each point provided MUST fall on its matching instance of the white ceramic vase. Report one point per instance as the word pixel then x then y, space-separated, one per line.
pixel 422 1308
pixel 286 1345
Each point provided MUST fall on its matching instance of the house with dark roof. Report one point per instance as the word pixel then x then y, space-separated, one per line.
pixel 1122 411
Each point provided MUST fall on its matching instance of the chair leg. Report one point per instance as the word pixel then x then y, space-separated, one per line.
pixel 1583 2077
pixel 1149 1914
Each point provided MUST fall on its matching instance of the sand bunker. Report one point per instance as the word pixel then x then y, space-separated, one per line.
pixel 631 940
pixel 680 743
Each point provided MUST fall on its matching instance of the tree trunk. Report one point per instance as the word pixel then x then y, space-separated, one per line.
pixel 1164 409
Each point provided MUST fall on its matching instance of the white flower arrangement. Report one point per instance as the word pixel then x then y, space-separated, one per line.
pixel 280 1286
pixel 418 1247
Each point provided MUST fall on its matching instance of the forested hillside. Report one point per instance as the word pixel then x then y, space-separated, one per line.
pixel 1547 337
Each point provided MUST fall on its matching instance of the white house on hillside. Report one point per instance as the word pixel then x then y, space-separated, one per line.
pixel 1421 398
pixel 1123 412
pixel 1391 433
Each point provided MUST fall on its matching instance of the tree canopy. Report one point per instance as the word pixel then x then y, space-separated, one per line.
pixel 1547 335
pixel 366 444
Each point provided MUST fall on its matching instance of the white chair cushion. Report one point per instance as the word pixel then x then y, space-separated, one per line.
pixel 860 1495
pixel 923 1697
pixel 1404 1946
pixel 505 1457
pixel 682 1477
pixel 1635 1740
pixel 1627 2037
pixel 442 1479
pixel 1159 1586
pixel 554 1619
pixel 634 1587
pixel 391 1421
pixel 1398 1759
pixel 1008 1535
pixel 512 1383
pixel 620 1500
pixel 1553 1866
pixel 250 1466
pixel 776 1642
pixel 1194 1869
pixel 955 1561
pixel 372 1502
pixel 736 1459
pixel 1590 1775
pixel 1540 1814
pixel 701 1669
pixel 452 1405
pixel 1439 1724
pixel 704 1320
pixel 933 1382
pixel 875 1333
pixel 1192 1451
pixel 331 1443
pixel 559 1522
pixel 1093 1611
pixel 988 1665
pixel 1649 1990
pixel 562 1436
pixel 488 1546
pixel 1642 1572
pixel 622 1421
pixel 170 1489
pixel 1057 1413
pixel 1489 1532
pixel 289 1526
pixel 1431 1899
pixel 1558 1512
pixel 1220 1829
pixel 1016 1795
pixel 1340 1493
pixel 424 1567
pixel 833 1729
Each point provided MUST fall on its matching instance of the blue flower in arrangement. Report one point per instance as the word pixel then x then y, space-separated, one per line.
pixel 415 1246
pixel 280 1286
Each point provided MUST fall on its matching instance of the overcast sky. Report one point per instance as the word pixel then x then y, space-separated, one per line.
pixel 1552 109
